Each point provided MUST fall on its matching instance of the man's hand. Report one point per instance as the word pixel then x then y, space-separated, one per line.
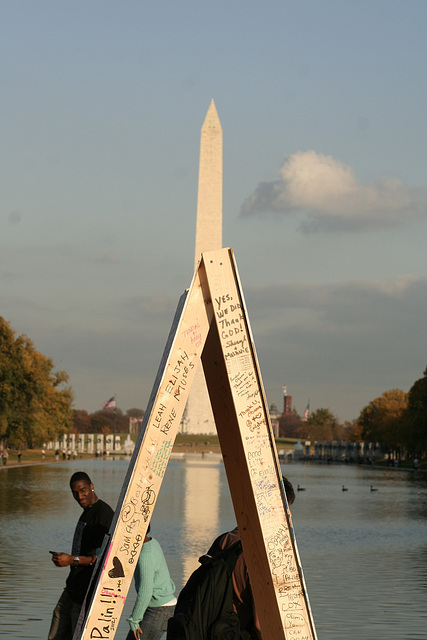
pixel 62 559
pixel 137 633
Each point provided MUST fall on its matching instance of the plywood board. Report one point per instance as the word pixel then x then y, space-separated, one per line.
pixel 148 465
pixel 247 444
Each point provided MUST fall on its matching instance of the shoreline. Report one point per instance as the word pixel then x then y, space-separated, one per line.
pixel 209 457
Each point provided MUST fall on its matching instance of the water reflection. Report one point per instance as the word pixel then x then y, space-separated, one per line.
pixel 364 554
pixel 201 492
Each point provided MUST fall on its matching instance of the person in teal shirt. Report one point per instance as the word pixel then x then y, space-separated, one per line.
pixel 155 601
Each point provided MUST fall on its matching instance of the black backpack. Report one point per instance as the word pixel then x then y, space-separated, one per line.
pixel 204 610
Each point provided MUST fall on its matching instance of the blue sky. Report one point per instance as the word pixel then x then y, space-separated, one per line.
pixel 323 109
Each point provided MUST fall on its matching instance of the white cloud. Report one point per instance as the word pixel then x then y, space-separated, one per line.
pixel 328 197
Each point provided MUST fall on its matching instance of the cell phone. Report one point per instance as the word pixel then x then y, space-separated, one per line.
pixel 52 552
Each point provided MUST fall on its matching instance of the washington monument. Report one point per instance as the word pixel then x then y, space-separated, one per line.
pixel 198 416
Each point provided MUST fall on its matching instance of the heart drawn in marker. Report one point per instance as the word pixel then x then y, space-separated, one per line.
pixel 117 570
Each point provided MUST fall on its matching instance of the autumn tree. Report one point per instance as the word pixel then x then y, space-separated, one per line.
pixel 101 422
pixel 12 381
pixel 35 404
pixel 417 417
pixel 104 421
pixel 290 425
pixel 385 419
pixel 351 431
pixel 322 424
pixel 81 422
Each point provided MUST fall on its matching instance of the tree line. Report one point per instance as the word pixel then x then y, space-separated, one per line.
pixel 396 419
pixel 103 421
pixel 36 407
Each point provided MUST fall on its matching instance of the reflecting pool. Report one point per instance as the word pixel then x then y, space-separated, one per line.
pixel 364 553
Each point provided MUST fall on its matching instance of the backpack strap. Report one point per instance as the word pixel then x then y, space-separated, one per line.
pixel 216 550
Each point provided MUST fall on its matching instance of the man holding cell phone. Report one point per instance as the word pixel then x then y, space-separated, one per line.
pixel 91 528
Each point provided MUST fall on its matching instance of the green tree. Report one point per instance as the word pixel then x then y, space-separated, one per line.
pixel 34 405
pixel 417 417
pixel 385 420
pixel 323 425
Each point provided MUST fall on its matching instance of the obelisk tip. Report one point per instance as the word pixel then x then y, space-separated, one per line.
pixel 212 119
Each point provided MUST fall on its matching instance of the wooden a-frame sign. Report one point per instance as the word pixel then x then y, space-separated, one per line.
pixel 210 324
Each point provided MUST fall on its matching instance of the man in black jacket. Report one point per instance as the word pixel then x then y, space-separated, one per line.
pixel 91 528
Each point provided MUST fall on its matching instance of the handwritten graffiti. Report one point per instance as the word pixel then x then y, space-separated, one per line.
pixel 106 621
pixel 253 408
pixel 192 329
pixel 127 512
pixel 148 498
pixel 293 620
pixel 139 506
pixel 161 458
pixel 158 415
pixel 169 422
pixel 134 551
pixel 244 384
pixel 194 333
pixel 222 300
pixel 178 380
pixel 280 539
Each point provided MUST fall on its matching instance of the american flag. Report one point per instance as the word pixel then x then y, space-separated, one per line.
pixel 307 411
pixel 110 404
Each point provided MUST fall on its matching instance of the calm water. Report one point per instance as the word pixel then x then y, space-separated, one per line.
pixel 364 553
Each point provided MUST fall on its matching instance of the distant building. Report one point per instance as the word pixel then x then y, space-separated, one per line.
pixel 274 419
pixel 287 404
pixel 287 401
